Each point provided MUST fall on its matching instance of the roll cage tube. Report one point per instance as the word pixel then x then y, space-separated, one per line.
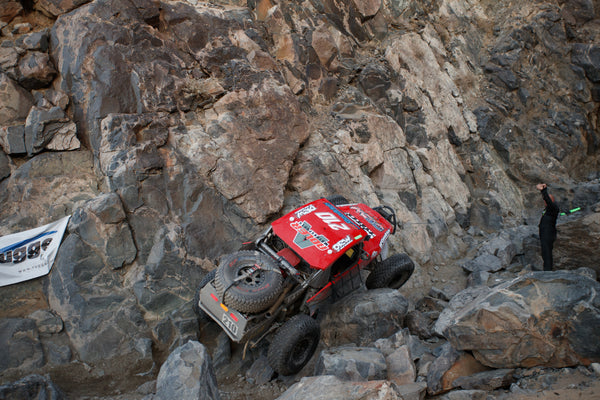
pixel 260 244
pixel 389 214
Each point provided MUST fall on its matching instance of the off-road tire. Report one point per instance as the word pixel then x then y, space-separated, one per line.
pixel 393 272
pixel 255 293
pixel 205 279
pixel 337 199
pixel 294 344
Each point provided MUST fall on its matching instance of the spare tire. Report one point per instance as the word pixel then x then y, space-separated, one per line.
pixel 248 281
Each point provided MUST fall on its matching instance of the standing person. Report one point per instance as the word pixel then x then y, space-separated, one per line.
pixel 547 226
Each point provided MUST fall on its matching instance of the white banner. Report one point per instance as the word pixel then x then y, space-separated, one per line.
pixel 30 254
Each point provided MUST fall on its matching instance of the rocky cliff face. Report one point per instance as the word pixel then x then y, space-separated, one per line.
pixel 173 130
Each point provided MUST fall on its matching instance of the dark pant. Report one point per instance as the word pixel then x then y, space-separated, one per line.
pixel 547 245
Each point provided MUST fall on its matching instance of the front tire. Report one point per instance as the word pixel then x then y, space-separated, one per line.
pixel 294 344
pixel 393 272
pixel 248 281
pixel 337 199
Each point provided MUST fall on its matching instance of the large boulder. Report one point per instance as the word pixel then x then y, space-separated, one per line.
pixel 187 374
pixel 328 387
pixel 538 319
pixel 576 240
pixel 45 189
pixel 102 319
pixel 250 143
pixel 352 363
pixel 363 317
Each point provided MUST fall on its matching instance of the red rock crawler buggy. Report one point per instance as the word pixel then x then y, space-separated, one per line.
pixel 312 255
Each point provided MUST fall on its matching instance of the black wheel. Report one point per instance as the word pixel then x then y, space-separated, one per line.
pixel 393 272
pixel 207 278
pixel 294 344
pixel 248 281
pixel 337 199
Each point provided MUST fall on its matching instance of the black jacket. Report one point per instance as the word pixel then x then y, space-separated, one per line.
pixel 548 221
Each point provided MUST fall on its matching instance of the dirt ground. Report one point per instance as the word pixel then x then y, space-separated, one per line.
pixel 567 384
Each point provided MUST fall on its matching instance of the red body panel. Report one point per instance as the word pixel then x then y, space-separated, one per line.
pixel 320 232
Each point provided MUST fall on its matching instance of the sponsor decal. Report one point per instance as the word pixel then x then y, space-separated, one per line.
pixel 384 239
pixel 332 221
pixel 307 237
pixel 30 254
pixel 339 214
pixel 370 234
pixel 342 243
pixel 305 210
pixel 368 218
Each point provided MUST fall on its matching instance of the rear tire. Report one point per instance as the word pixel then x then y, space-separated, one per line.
pixel 255 292
pixel 294 344
pixel 393 272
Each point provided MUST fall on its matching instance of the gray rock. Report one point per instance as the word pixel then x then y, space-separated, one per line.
pixel 4 165
pixel 9 58
pixel 486 380
pixel 501 246
pixel 465 395
pixel 419 324
pixel 43 125
pixel 102 319
pixel 329 387
pixel 577 236
pixel 55 8
pixel 577 12
pixel 37 40
pixel 478 278
pixel 436 371
pixel 390 344
pixel 15 101
pixel 412 391
pixel 58 354
pixel 484 262
pixel 540 318
pixel 23 350
pixel 260 372
pixel 164 285
pixel 187 374
pixel 36 70
pixel 458 302
pixel 12 139
pixel 587 56
pixel 32 387
pixel 10 9
pixel 400 366
pixel 47 321
pixel 587 272
pixel 101 224
pixel 351 363
pixel 46 188
pixel 222 352
pixel 363 317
